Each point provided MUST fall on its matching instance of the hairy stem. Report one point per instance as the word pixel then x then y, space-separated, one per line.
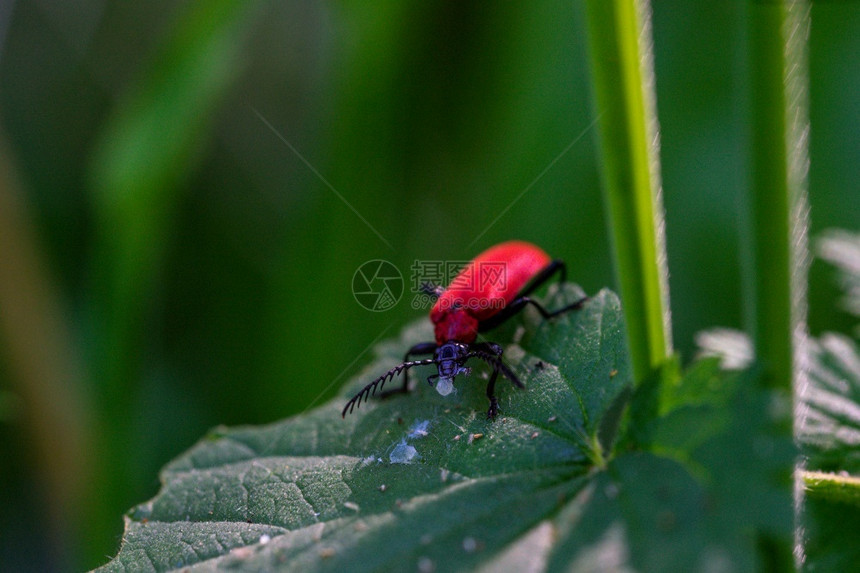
pixel 623 84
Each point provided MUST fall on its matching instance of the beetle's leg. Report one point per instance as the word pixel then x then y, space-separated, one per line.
pixel 518 304
pixel 494 402
pixel 491 353
pixel 556 266
pixel 422 348
pixel 491 348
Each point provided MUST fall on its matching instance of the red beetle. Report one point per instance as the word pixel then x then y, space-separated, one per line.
pixel 488 291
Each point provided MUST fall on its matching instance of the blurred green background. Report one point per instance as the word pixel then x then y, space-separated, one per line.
pixel 186 190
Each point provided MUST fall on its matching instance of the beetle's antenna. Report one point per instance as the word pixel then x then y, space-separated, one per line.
pixel 371 388
pixel 431 290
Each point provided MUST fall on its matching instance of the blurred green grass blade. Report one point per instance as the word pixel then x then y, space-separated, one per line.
pixel 149 146
pixel 622 79
pixel 150 143
pixel 778 163
pixel 46 400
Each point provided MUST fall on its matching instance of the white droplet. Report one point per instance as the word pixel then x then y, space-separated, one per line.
pixel 265 539
pixel 444 386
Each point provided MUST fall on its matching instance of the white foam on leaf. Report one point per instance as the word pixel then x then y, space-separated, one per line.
pixel 402 453
pixel 419 429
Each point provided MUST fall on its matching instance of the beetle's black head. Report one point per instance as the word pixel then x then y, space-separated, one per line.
pixel 449 359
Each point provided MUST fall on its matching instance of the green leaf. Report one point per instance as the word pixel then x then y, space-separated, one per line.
pixel 828 422
pixel 830 535
pixel 828 430
pixel 842 249
pixel 735 438
pixel 425 482
pixel 830 427
pixel 830 417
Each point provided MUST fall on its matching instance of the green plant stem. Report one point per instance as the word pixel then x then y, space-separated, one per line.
pixel 832 487
pixel 774 192
pixel 622 79
pixel 777 206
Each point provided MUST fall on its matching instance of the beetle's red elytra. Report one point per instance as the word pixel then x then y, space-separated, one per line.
pixel 484 287
pixel 490 289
